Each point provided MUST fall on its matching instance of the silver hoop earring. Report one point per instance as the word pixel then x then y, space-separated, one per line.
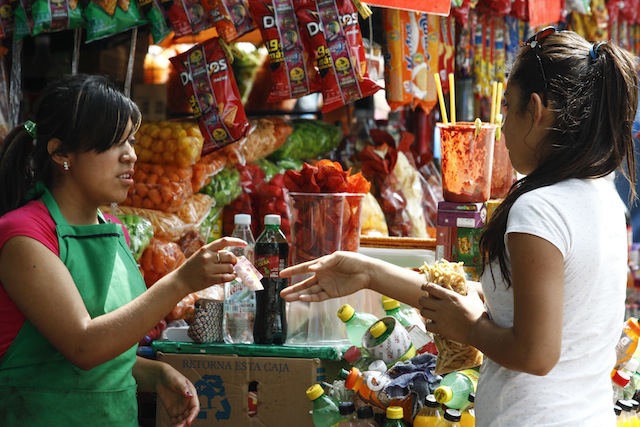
pixel 65 165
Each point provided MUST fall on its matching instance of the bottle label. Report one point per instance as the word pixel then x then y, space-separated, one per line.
pixel 270 266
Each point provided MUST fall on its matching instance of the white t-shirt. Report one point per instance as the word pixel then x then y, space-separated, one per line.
pixel 585 220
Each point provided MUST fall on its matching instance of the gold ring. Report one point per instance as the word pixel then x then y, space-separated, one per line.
pixel 218 255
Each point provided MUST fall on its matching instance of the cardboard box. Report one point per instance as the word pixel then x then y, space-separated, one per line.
pixel 468 215
pixel 223 383
pixel 467 246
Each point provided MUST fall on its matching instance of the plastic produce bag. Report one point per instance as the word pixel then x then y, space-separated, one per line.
pixel 140 233
pixel 310 139
pixel 159 259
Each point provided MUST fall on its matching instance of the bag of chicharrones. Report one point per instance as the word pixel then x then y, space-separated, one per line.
pixel 452 355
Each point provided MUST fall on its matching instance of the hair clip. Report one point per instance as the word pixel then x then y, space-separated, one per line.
pixel 30 127
pixel 594 50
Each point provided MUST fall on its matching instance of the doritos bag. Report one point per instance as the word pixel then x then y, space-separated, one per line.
pixel 188 17
pixel 213 94
pixel 292 67
pixel 231 18
pixel 331 30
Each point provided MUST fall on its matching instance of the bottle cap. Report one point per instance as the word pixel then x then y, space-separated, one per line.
pixel 343 374
pixel 378 329
pixel 242 219
pixel 624 404
pixel 395 413
pixel 365 412
pixel 452 415
pixel 472 397
pixel 378 365
pixel 346 408
pixel 633 324
pixel 443 394
pixel 352 355
pixel 390 304
pixel 634 403
pixel 430 401
pixel 314 392
pixel 621 378
pixel 617 409
pixel 632 365
pixel 346 312
pixel 351 380
pixel 272 219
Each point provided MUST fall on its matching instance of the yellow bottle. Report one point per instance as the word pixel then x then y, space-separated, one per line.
pixel 451 419
pixel 468 415
pixel 430 414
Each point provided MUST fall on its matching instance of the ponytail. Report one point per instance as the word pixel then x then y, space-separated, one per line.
pixel 16 168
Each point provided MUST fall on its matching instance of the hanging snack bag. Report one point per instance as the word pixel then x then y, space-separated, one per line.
pixel 108 17
pixel 6 18
pixel 292 71
pixel 52 15
pixel 214 97
pixel 188 17
pixel 331 30
pixel 23 19
pixel 153 11
pixel 397 70
pixel 231 18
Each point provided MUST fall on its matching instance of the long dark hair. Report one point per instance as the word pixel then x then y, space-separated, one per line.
pixel 85 112
pixel 594 95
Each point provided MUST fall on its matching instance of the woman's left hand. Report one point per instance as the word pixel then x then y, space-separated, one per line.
pixel 450 314
pixel 178 396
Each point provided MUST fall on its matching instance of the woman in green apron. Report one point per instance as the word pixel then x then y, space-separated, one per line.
pixel 73 304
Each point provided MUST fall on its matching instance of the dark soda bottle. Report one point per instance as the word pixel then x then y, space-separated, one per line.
pixel 271 256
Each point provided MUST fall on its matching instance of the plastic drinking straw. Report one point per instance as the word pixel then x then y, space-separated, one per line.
pixel 498 113
pixel 443 110
pixel 494 98
pixel 478 124
pixel 499 127
pixel 452 98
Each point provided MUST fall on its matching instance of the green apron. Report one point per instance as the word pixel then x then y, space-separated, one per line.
pixel 38 385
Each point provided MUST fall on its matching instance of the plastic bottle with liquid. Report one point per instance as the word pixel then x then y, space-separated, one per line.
pixel 624 418
pixel 381 332
pixel 628 342
pixel 272 256
pixel 325 412
pixel 358 357
pixel 620 382
pixel 356 323
pixel 349 416
pixel 455 387
pixel 365 417
pixel 468 414
pixel 392 308
pixel 451 418
pixel 430 414
pixel 240 301
pixel 394 417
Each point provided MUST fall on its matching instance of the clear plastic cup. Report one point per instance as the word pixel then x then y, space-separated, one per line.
pixel 467 160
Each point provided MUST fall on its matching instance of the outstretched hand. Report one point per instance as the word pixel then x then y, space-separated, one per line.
pixel 335 275
pixel 178 396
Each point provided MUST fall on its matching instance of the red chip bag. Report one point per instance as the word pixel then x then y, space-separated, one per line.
pixel 213 94
pixel 331 30
pixel 292 67
pixel 188 17
pixel 231 18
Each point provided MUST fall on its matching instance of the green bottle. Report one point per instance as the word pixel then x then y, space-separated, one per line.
pixel 395 414
pixel 326 412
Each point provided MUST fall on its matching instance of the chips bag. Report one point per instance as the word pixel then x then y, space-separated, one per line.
pixel 153 11
pixel 214 97
pixel 330 29
pixel 231 18
pixel 292 70
pixel 188 17
pixel 23 19
pixel 6 18
pixel 108 17
pixel 56 15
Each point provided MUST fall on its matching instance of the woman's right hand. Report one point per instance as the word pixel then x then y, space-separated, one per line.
pixel 210 265
pixel 335 275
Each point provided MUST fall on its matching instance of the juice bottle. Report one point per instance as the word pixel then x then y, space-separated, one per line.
pixel 356 323
pixel 348 412
pixel 272 255
pixel 628 342
pixel 395 414
pixel 624 419
pixel 468 415
pixel 430 414
pixel 455 387
pixel 451 419
pixel 326 412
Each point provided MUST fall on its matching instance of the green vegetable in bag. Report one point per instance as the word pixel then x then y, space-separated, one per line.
pixel 310 139
pixel 224 186
pixel 140 233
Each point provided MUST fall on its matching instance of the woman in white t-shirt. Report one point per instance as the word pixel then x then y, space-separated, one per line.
pixel 550 306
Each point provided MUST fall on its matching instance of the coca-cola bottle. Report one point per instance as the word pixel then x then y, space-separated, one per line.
pixel 271 256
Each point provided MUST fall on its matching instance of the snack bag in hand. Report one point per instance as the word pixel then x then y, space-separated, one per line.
pixel 452 355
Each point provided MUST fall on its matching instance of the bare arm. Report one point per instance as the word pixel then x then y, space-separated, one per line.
pixel 42 288
pixel 533 344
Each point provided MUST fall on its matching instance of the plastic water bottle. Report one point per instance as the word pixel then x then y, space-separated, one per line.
pixel 620 382
pixel 358 358
pixel 326 412
pixel 356 323
pixel 272 256
pixel 348 412
pixel 392 308
pixel 455 387
pixel 240 301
